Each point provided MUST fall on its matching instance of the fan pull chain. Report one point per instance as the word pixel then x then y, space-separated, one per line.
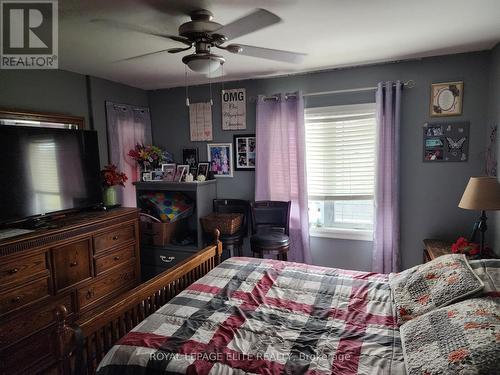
pixel 222 76
pixel 210 86
pixel 186 85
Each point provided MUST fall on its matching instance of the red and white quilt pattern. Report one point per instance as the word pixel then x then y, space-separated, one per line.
pixel 260 316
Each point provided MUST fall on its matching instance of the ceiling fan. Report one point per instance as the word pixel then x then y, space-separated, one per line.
pixel 204 34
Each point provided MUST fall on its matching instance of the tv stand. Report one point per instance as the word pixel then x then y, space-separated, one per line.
pixel 79 260
pixel 38 223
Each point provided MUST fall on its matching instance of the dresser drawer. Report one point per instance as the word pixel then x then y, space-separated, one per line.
pixel 22 268
pixel 72 263
pixel 115 258
pixel 22 296
pixel 30 356
pixel 106 285
pixel 114 237
pixel 32 321
pixel 163 258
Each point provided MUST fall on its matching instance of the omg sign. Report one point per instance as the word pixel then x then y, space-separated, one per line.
pixel 234 109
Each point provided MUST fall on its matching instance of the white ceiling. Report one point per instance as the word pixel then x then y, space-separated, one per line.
pixel 334 33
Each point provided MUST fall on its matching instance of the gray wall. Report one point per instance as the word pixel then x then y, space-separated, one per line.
pixel 102 91
pixel 494 119
pixel 59 91
pixel 429 192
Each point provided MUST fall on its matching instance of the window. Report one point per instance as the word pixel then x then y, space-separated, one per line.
pixel 340 157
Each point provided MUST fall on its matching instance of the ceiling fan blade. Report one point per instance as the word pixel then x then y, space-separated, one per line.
pixel 144 55
pixel 177 50
pixel 139 29
pixel 267 53
pixel 258 19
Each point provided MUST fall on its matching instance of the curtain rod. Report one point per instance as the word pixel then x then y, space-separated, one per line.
pixel 409 84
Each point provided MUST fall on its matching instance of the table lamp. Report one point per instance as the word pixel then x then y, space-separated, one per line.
pixel 481 194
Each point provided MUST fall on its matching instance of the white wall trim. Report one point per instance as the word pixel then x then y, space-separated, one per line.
pixel 343 234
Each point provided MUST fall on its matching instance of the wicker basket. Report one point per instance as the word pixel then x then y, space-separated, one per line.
pixel 226 223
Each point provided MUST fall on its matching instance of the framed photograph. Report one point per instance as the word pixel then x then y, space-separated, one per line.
pixel 446 142
pixel 447 98
pixel 220 158
pixel 181 173
pixel 157 176
pixel 146 176
pixel 190 157
pixel 202 169
pixel 244 156
pixel 168 171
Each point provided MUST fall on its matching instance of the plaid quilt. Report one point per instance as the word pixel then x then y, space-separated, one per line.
pixel 261 316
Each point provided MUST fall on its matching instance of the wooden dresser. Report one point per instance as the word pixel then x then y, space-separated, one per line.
pixel 82 262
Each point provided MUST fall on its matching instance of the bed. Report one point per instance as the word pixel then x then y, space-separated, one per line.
pixel 259 316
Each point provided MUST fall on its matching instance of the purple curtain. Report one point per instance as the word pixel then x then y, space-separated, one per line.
pixel 386 246
pixel 127 125
pixel 280 165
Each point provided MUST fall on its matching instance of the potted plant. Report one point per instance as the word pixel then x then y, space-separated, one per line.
pixel 112 177
pixel 148 157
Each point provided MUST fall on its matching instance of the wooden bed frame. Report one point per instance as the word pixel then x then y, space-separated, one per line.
pixel 82 345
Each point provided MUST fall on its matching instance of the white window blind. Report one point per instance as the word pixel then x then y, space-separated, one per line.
pixel 340 156
pixel 340 146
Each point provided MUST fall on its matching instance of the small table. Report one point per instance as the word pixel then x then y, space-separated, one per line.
pixel 436 248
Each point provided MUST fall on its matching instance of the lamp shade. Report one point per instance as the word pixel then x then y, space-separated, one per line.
pixel 481 193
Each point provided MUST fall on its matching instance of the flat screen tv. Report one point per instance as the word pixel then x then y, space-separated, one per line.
pixel 47 170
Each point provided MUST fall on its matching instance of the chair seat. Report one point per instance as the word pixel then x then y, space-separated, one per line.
pixel 238 236
pixel 270 239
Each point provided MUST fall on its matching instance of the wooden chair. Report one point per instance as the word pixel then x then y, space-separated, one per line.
pixel 233 242
pixel 270 228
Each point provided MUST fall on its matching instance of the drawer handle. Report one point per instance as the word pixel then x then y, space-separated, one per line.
pixel 16 299
pixel 73 264
pixel 117 257
pixel 166 259
pixel 90 293
pixel 13 271
pixel 115 238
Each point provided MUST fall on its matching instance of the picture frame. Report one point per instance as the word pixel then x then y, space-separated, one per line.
pixel 190 157
pixel 446 141
pixel 181 172
pixel 244 152
pixel 447 99
pixel 157 175
pixel 220 158
pixel 146 176
pixel 169 171
pixel 202 169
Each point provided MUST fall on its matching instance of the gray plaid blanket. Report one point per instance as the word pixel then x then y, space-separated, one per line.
pixel 259 316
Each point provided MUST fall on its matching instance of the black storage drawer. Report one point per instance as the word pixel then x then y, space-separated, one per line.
pixel 163 258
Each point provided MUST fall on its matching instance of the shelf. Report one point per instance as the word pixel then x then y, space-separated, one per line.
pixel 173 186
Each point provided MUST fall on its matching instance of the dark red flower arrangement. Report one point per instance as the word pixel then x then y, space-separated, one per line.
pixel 463 246
pixel 111 176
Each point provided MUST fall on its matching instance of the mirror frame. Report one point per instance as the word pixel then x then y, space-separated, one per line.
pixel 41 116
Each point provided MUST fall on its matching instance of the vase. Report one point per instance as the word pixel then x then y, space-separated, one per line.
pixel 110 197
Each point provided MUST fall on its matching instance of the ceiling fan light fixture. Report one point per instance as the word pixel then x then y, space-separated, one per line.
pixel 203 63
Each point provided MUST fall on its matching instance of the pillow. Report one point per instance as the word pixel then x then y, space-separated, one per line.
pixel 463 338
pixel 488 270
pixel 432 285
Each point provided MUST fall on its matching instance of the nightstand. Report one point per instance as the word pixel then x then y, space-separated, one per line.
pixel 436 248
